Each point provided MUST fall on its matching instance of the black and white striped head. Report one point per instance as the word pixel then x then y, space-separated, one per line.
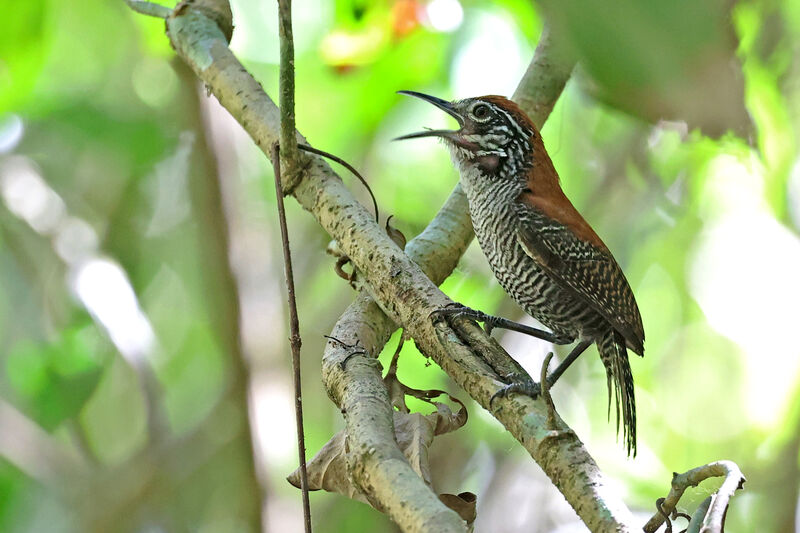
pixel 495 135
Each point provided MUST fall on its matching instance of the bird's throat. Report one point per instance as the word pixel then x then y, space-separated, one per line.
pixel 489 163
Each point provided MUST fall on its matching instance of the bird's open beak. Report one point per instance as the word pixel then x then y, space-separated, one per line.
pixel 444 105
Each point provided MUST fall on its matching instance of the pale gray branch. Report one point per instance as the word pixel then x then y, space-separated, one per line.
pixel 376 463
pixel 712 522
pixel 35 452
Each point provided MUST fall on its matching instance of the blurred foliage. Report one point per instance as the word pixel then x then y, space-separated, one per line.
pixel 121 392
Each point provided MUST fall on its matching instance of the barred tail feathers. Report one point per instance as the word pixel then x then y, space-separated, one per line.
pixel 618 371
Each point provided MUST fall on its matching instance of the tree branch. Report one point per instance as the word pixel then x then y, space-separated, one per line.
pixel 397 284
pixel 713 520
pixel 376 463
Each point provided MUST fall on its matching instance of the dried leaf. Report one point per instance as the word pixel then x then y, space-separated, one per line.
pixel 395 234
pixel 464 504
pixel 414 432
pixel 341 260
pixel 397 394
pixel 446 420
pixel 328 470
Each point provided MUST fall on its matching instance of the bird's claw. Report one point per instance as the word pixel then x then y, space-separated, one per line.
pixel 455 310
pixel 451 309
pixel 520 384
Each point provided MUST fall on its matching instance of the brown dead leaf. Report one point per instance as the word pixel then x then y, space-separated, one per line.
pixel 397 391
pixel 464 504
pixel 414 432
pixel 395 234
pixel 327 470
pixel 447 420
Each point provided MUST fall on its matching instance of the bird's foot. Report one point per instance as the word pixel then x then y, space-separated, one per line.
pixel 455 310
pixel 519 383
pixel 491 323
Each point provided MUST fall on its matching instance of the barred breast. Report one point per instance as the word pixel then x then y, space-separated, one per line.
pixel 495 223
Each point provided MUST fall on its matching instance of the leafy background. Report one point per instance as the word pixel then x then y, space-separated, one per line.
pixel 121 389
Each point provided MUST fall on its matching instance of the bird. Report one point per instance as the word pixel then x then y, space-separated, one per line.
pixel 541 250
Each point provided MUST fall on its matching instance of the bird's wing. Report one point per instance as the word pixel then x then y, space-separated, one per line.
pixel 586 269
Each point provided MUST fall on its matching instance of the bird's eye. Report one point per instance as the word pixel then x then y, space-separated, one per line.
pixel 480 111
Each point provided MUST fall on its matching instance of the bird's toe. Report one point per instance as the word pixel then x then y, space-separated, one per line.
pixel 520 384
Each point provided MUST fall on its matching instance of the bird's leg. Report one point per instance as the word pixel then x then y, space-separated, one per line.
pixel 522 383
pixel 576 351
pixel 491 322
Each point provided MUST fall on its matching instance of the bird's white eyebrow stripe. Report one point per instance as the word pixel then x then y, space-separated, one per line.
pixel 513 122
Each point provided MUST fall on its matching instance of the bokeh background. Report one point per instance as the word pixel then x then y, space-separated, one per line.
pixel 141 300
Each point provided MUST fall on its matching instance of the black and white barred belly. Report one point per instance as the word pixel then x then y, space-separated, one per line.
pixel 495 222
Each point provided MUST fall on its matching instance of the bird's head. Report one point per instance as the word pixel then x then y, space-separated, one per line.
pixel 494 134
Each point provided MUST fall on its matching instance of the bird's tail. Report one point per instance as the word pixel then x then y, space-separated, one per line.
pixel 618 370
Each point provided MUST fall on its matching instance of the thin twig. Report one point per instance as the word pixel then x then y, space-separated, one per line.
pixel 346 165
pixel 396 356
pixel 294 339
pixel 149 8
pixel 714 519
pixel 290 162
